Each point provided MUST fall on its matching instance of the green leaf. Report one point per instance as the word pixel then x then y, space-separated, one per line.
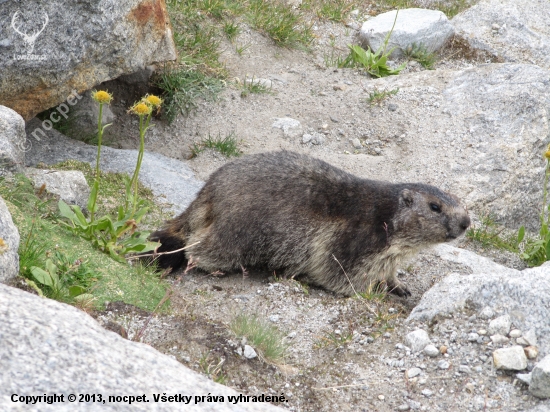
pixel 81 218
pixel 521 234
pixel 65 211
pixel 547 250
pixel 76 290
pixel 92 205
pixel 42 276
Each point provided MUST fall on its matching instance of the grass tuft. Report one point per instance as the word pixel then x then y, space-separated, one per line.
pixel 264 337
pixel 228 145
pixel 488 234
pixel 377 97
pixel 419 53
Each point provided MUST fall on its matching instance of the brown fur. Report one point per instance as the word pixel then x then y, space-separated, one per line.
pixel 293 213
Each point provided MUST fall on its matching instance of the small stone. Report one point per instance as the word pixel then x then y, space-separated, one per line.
pixel 318 139
pixel 403 407
pixel 431 351
pixel 470 387
pixel 377 150
pixel 412 372
pixel 482 332
pixel 249 352
pixel 531 352
pixel 495 27
pixel 515 333
pixel 427 393
pixel 381 397
pixel 524 377
pixel 499 339
pixel 443 364
pixel 510 358
pixel 486 313
pixel 531 337
pixel 417 340
pixel 239 351
pixel 443 349
pixel 291 335
pixel 339 87
pixel 522 341
pixel 392 107
pixel 306 138
pixel 464 369
pixel 473 337
pixel 244 341
pixel 500 325
pixel 290 127
pixel 540 379
pixel 274 318
pixel 356 143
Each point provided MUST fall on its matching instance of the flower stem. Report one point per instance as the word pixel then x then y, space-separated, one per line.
pixel 96 183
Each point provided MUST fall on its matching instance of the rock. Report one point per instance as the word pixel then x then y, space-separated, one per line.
pixel 524 377
pixel 443 364
pixel 48 50
pixel 139 77
pixel 249 352
pixel 170 180
pixel 500 325
pixel 356 143
pixel 499 339
pixel 492 285
pixel 417 340
pixel 9 245
pixel 427 393
pixel 465 369
pixel 429 28
pixel 13 141
pixel 510 358
pixel 306 138
pixel 85 116
pixel 49 347
pixel 431 351
pixel 317 138
pixel 473 337
pixel 412 372
pixel 540 379
pixel 404 407
pixel 291 127
pixel 486 313
pixel 531 352
pixel 531 337
pixel 69 185
pixel 515 333
pixel 513 30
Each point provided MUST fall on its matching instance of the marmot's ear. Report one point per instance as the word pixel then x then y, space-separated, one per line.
pixel 406 197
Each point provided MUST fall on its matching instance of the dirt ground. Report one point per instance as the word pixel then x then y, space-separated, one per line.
pixel 342 351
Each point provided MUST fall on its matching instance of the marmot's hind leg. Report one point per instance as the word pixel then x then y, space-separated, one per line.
pixel 170 241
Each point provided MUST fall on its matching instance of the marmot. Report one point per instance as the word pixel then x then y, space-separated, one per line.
pixel 293 213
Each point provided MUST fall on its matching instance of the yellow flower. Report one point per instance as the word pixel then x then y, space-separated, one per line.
pixel 141 109
pixel 153 100
pixel 547 154
pixel 102 96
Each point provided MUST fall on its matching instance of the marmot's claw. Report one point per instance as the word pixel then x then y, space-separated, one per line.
pixel 401 291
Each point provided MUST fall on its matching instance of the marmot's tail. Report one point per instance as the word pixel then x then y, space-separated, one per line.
pixel 170 241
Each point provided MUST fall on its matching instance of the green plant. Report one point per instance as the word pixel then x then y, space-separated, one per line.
pixel 182 88
pixel 374 63
pixel 537 251
pixel 213 369
pixel 265 338
pixel 226 145
pixel 419 53
pixel 489 234
pixel 333 339
pixel 377 97
pixel 376 292
pixel 240 49
pixel 115 236
pixel 64 279
pixel 335 10
pixel 231 30
pixel 254 86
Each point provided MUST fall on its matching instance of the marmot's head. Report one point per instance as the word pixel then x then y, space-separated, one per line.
pixel 428 215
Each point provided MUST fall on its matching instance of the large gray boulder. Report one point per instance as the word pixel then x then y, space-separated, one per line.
pixel 52 348
pixel 9 245
pixel 523 295
pixel 49 49
pixel 171 180
pixel 515 30
pixel 12 141
pixel 429 28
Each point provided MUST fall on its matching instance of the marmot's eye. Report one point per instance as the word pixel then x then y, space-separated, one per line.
pixel 435 207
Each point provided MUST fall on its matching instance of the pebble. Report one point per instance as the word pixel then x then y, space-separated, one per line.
pixel 464 369
pixel 306 138
pixel 486 313
pixel 524 377
pixel 431 351
pixel 510 358
pixel 427 393
pixel 443 349
pixel 531 352
pixel 540 379
pixel 340 87
pixel 515 333
pixel 274 318
pixel 392 107
pixel 473 337
pixel 443 364
pixel 412 372
pixel 404 407
pixel 381 397
pixel 249 352
pixel 291 335
pixel 356 143
pixel 500 325
pixel 482 332
pixel 499 339
pixel 531 337
pixel 522 341
pixel 417 340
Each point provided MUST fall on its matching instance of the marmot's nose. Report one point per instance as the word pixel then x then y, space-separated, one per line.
pixel 465 222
